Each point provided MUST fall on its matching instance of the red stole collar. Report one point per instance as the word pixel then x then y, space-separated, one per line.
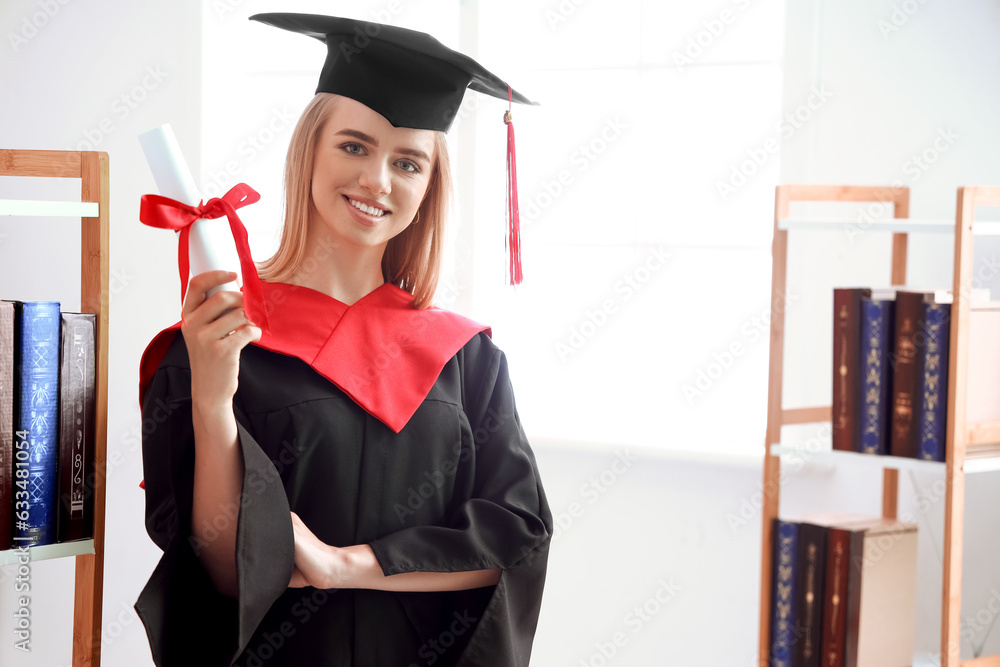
pixel 380 351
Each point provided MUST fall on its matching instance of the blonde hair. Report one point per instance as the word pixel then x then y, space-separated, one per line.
pixel 412 259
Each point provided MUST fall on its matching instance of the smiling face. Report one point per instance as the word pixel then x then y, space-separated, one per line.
pixel 369 177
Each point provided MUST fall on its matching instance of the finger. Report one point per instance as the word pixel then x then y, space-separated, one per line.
pixel 212 309
pixel 201 284
pixel 225 324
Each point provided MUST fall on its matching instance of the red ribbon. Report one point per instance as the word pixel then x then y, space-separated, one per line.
pixel 166 213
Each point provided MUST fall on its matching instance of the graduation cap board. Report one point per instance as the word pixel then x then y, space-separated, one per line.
pixel 412 80
pixel 407 76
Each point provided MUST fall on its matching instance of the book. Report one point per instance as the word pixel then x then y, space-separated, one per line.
pixel 811 567
pixel 846 347
pixel 838 546
pixel 875 376
pixel 905 378
pixel 983 396
pixel 37 423
pixel 783 607
pixel 933 399
pixel 77 423
pixel 8 380
pixel 881 593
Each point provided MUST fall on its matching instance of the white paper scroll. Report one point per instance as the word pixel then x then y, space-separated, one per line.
pixel 210 242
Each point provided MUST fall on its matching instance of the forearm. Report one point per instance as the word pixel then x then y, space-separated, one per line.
pixel 218 481
pixel 358 568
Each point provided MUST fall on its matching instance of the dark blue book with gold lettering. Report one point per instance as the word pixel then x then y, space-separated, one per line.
pixel 875 381
pixel 783 593
pixel 933 365
pixel 36 437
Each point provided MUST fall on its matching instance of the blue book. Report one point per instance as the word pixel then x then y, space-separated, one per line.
pixel 933 408
pixel 36 439
pixel 875 392
pixel 783 593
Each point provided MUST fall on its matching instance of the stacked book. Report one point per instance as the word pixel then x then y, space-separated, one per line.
pixel 843 593
pixel 47 423
pixel 890 368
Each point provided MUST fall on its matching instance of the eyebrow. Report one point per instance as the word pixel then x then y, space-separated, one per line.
pixel 367 138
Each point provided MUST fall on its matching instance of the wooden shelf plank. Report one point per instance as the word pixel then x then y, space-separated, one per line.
pixel 58 209
pixel 984 661
pixel 49 551
pixel 900 225
pixel 834 456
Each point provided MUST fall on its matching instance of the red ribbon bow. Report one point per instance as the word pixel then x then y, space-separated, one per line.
pixel 166 213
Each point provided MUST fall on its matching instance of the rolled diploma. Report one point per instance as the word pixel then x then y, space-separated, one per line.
pixel 210 242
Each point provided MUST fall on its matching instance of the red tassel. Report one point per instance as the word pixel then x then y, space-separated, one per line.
pixel 515 276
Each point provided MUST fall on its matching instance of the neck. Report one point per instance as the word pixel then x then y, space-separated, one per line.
pixel 346 273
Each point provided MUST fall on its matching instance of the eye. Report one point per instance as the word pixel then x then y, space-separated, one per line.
pixel 353 148
pixel 409 165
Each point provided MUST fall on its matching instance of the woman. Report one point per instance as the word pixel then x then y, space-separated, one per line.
pixel 352 487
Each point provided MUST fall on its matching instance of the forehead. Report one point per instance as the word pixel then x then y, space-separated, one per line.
pixel 353 115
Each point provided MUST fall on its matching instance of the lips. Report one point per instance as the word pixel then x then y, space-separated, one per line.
pixel 367 208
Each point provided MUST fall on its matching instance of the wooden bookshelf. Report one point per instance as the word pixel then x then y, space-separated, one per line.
pixel 970 447
pixel 93 212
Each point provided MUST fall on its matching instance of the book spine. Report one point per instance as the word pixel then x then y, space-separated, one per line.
pixel 874 380
pixel 8 377
pixel 77 416
pixel 905 386
pixel 38 422
pixel 934 394
pixel 846 343
pixel 783 600
pixel 809 621
pixel 855 570
pixel 835 598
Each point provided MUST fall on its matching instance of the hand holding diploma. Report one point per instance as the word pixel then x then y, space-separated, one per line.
pixel 205 244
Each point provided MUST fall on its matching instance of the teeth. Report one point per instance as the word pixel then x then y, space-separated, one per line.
pixel 370 210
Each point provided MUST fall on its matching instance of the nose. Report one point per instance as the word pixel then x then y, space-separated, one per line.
pixel 375 177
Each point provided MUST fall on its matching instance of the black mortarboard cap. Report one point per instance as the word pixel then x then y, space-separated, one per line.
pixel 410 78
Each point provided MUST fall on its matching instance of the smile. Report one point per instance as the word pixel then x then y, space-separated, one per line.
pixel 370 210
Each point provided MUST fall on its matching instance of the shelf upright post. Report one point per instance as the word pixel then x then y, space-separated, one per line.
pixel 94 298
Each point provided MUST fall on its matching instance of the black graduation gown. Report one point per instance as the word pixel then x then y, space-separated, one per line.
pixel 455 489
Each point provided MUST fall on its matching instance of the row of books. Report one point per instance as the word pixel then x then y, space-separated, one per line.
pixel 47 423
pixel 843 592
pixel 890 368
